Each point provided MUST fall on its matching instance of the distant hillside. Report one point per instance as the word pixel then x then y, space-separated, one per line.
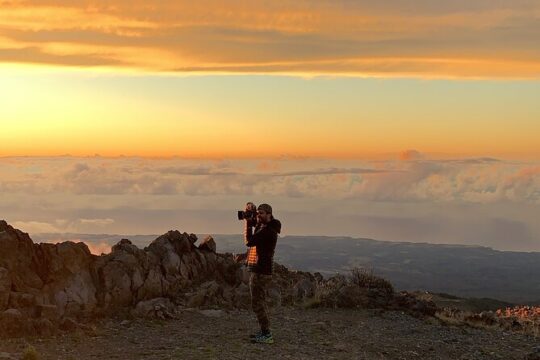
pixel 467 271
pixel 474 305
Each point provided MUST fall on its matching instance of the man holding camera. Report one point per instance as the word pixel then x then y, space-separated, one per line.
pixel 261 243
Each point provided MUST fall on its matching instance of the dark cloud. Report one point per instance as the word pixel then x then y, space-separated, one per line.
pixel 329 171
pixel 186 170
pixel 35 55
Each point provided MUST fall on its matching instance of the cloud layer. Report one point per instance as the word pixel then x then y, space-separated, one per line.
pixel 411 177
pixel 413 198
pixel 479 39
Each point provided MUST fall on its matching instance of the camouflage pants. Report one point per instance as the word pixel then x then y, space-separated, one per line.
pixel 258 283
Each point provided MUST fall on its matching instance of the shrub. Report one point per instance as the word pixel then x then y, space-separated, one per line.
pixel 360 289
pixel 30 353
pixel 365 278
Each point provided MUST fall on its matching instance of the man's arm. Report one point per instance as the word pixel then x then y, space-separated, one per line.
pixel 261 237
pixel 249 238
pixel 248 232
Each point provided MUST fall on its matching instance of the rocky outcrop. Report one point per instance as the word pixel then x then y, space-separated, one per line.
pixel 49 286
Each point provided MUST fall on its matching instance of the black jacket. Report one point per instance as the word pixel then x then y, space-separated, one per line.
pixel 262 244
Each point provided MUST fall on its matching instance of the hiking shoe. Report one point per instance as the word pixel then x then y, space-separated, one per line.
pixel 264 339
pixel 255 335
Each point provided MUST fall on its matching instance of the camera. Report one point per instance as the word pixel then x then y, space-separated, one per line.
pixel 246 215
pixel 249 214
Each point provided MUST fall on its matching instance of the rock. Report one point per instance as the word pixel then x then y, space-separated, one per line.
pixel 19 300
pixel 212 288
pixel 116 284
pixel 12 313
pixel 304 289
pixel 19 257
pixel 122 245
pixel 208 244
pixel 212 313
pixel 488 317
pixel 69 277
pixel 161 308
pixel 7 356
pixel 5 288
pixel 242 297
pixel 49 312
pixel 69 324
pixel 184 270
pixel 61 299
pixel 14 323
pixel 171 263
pixel 197 299
pixel 243 275
pixel 171 241
pixel 43 327
pixel 414 304
pixel 152 286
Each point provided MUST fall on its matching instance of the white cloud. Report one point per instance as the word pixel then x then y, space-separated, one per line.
pixel 417 179
pixel 97 222
pixel 346 197
pixel 36 227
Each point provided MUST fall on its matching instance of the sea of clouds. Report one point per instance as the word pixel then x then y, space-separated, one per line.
pixel 411 197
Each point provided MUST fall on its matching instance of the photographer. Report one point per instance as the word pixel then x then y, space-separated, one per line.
pixel 261 243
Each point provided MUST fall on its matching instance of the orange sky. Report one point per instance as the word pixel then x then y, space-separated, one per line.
pixel 435 38
pixel 332 79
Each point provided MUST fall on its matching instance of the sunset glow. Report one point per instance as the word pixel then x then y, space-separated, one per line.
pixel 390 110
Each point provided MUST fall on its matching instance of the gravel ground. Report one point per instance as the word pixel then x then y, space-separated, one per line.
pixel 298 334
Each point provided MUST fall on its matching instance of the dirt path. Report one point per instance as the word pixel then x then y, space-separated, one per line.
pixel 299 334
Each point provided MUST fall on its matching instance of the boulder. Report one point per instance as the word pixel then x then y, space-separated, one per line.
pixel 14 323
pixel 171 263
pixel 116 284
pixel 67 271
pixel 19 257
pixel 123 245
pixel 43 327
pixel 208 244
pixel 69 324
pixel 161 308
pixel 152 286
pixel 19 300
pixel 49 312
pixel 196 300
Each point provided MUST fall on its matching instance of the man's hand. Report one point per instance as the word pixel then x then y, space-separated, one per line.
pixel 253 209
